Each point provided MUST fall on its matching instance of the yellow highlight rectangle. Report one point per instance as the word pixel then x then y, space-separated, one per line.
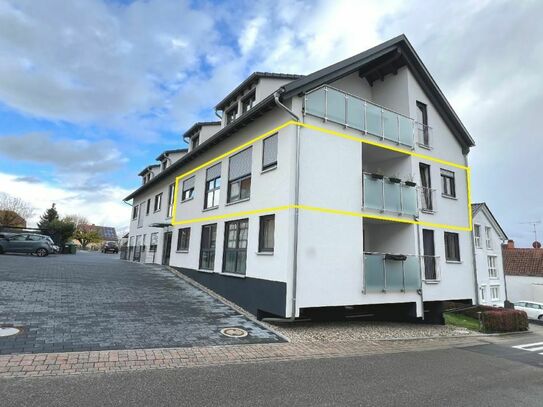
pixel 319 209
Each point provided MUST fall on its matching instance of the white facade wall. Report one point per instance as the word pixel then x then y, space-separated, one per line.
pixel 207 131
pixel 484 280
pixel 521 288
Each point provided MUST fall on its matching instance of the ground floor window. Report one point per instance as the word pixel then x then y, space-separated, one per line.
pixel 235 246
pixel 183 238
pixel 154 242
pixel 207 247
pixel 495 293
pixel 482 290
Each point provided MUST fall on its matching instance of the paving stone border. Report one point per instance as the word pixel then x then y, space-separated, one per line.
pixel 74 363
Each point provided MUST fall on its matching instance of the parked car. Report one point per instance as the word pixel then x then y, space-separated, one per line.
pixel 110 247
pixel 533 309
pixel 40 245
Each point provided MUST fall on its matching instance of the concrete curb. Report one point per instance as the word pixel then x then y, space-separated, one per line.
pixel 235 307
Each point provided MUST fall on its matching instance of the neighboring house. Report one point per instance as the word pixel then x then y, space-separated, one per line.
pixel 310 214
pixel 11 218
pixel 523 272
pixel 107 234
pixel 487 238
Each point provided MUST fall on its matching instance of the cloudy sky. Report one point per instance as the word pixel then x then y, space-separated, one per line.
pixel 91 91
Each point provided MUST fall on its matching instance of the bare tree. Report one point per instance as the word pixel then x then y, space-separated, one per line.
pixel 77 220
pixel 12 209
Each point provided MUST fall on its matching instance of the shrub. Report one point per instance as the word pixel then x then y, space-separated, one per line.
pixel 504 320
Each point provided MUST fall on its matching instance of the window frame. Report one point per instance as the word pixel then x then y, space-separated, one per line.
pixel 210 265
pixel 237 249
pixel 451 251
pixel 228 113
pixel 183 240
pixel 251 95
pixel 158 203
pixel 153 245
pixel 195 141
pixel 261 238
pixel 488 238
pixel 492 288
pixel 135 210
pixel 171 195
pixel 477 236
pixel 492 271
pixel 482 292
pixel 239 181
pixel 148 209
pixel 446 176
pixel 215 192
pixel 273 164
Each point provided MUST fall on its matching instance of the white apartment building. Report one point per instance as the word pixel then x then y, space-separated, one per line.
pixel 343 188
pixel 488 237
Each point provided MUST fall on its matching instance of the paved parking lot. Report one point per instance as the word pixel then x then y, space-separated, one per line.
pixel 93 301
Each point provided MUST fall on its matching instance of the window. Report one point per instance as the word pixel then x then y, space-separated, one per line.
pixel 164 164
pixel 427 199
pixel 231 114
pixel 239 176
pixel 269 152
pixel 183 238
pixel 266 241
pixel 140 215
pixel 188 189
pixel 492 271
pixel 135 212
pixel 195 141
pixel 154 242
pixel 447 183
pixel 488 237
pixel 248 102
pixel 158 202
pixel 482 290
pixel 422 119
pixel 213 186
pixel 148 209
pixel 495 293
pixel 207 246
pixel 477 235
pixel 452 247
pixel 171 190
pixel 235 246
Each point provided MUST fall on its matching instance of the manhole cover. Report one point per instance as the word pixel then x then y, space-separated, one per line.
pixel 234 332
pixel 8 331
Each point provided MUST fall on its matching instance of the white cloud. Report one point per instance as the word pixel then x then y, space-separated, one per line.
pixel 102 207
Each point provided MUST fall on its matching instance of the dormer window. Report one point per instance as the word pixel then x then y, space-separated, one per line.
pixel 194 141
pixel 164 164
pixel 248 102
pixel 231 114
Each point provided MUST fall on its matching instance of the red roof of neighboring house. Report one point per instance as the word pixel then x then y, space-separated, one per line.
pixel 522 262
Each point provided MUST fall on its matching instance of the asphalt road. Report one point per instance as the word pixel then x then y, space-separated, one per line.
pixel 453 377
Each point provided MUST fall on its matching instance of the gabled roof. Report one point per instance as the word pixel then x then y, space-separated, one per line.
pixel 523 262
pixel 476 207
pixel 147 169
pixel 377 62
pixel 197 126
pixel 168 152
pixel 255 76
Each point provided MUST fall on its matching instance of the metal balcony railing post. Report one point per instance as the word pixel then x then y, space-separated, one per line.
pixel 365 117
pixel 383 194
pixel 403 275
pixel 325 104
pixel 398 126
pixel 346 115
pixel 382 125
pixel 384 273
pixel 401 199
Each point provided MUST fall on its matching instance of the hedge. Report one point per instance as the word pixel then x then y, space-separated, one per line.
pixel 496 319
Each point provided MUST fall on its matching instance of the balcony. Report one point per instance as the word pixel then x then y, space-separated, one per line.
pixel 389 195
pixel 384 273
pixel 351 111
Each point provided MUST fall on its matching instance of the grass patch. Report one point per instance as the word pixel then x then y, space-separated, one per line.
pixel 461 320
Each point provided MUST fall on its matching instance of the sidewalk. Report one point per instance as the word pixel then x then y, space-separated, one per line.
pixel 127 360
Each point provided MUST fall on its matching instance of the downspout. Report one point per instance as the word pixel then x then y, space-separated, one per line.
pixel 218 115
pixel 421 290
pixel 296 203
pixel 472 238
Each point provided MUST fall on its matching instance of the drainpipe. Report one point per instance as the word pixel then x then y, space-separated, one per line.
pixel 473 251
pixel 218 115
pixel 420 292
pixel 296 203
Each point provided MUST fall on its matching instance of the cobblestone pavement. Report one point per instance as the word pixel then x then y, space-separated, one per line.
pixel 54 364
pixel 93 302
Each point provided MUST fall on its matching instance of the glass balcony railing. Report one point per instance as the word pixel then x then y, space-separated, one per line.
pixel 351 111
pixel 389 195
pixel 391 273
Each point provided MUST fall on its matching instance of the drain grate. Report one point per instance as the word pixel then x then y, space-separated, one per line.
pixel 234 332
pixel 8 331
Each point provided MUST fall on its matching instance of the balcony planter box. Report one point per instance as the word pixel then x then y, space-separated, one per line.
pixel 377 176
pixel 395 180
pixel 410 183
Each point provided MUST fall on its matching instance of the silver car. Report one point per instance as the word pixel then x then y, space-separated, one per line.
pixel 40 245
